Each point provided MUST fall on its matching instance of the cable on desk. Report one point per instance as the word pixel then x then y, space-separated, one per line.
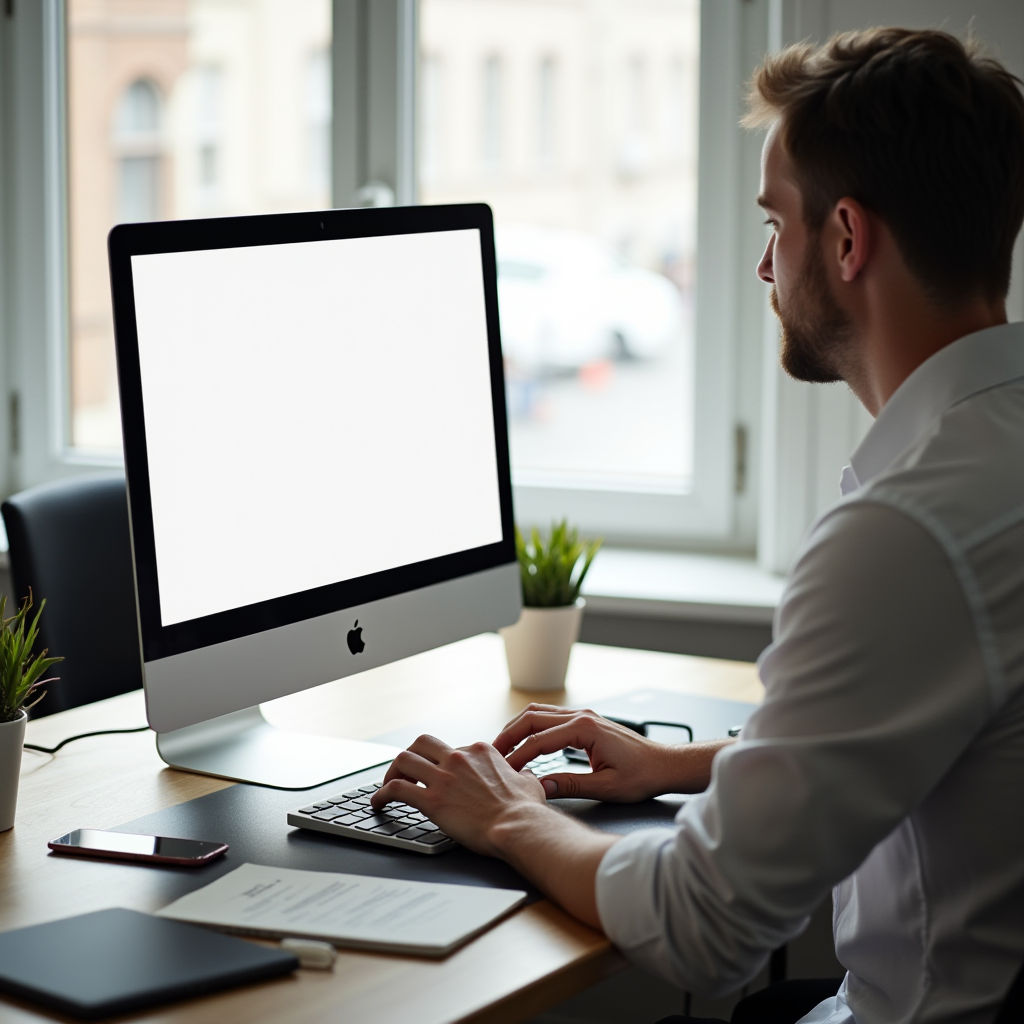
pixel 82 736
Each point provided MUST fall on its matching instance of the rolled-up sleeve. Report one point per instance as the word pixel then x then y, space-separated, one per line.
pixel 875 684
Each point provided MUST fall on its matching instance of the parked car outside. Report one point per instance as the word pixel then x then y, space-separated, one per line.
pixel 567 300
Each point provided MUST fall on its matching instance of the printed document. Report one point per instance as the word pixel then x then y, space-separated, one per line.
pixel 358 911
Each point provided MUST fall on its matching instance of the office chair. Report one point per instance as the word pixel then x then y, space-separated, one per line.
pixel 69 542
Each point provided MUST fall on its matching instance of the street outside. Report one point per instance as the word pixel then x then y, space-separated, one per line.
pixel 622 423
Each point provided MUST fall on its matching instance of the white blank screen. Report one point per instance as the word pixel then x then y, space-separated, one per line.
pixel 314 412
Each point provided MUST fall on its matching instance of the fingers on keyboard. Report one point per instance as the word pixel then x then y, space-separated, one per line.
pixel 352 809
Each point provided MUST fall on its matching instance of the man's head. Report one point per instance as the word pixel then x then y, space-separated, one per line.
pixel 913 128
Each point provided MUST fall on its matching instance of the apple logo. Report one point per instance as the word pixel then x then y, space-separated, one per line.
pixel 355 639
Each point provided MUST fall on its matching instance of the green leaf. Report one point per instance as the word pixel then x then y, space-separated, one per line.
pixel 552 573
pixel 21 671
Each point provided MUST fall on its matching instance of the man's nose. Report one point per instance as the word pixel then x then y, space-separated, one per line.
pixel 765 269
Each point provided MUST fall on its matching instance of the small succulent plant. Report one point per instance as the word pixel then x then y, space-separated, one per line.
pixel 553 573
pixel 21 671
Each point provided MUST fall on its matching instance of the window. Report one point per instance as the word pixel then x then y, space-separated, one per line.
pixel 318 122
pixel 209 135
pixel 678 107
pixel 596 225
pixel 526 105
pixel 210 109
pixel 634 147
pixel 137 143
pixel 570 117
pixel 431 125
pixel 491 124
pixel 546 112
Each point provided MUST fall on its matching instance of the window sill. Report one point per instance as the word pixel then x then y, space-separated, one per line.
pixel 664 585
pixel 674 585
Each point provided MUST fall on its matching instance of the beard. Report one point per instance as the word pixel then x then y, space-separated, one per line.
pixel 816 331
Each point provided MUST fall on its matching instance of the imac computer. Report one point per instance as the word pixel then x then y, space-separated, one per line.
pixel 316 454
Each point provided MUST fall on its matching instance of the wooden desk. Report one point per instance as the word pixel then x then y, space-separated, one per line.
pixel 532 960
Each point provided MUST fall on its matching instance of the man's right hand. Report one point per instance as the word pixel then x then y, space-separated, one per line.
pixel 626 766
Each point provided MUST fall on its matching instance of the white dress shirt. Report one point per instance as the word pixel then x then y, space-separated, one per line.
pixel 887 760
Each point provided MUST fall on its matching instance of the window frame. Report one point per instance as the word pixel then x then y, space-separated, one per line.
pixel 374 55
pixel 707 514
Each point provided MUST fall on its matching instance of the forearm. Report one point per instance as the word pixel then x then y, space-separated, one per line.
pixel 557 853
pixel 687 768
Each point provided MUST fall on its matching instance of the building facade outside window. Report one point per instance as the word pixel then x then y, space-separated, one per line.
pixel 186 108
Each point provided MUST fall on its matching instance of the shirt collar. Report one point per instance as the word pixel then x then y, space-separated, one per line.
pixel 969 365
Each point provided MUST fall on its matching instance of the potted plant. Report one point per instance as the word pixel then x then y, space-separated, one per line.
pixel 538 645
pixel 21 676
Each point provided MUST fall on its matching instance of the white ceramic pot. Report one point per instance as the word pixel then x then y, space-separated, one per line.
pixel 12 736
pixel 538 646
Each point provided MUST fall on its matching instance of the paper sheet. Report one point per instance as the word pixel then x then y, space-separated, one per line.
pixel 349 910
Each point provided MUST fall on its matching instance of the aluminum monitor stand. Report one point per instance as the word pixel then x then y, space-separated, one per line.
pixel 245 747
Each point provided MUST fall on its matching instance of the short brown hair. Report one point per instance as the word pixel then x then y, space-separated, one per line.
pixel 922 129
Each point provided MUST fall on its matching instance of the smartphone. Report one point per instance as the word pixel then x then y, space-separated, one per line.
pixel 91 842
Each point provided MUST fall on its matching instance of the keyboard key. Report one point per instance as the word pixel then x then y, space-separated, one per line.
pixel 309 810
pixel 388 829
pixel 352 793
pixel 329 815
pixel 427 826
pixel 350 805
pixel 431 839
pixel 346 819
pixel 410 833
pixel 370 789
pixel 322 804
pixel 373 820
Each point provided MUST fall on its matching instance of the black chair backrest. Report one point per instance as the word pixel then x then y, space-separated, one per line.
pixel 69 542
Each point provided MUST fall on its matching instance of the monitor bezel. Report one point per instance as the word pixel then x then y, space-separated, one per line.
pixel 128 240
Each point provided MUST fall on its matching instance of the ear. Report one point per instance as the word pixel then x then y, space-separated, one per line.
pixel 851 229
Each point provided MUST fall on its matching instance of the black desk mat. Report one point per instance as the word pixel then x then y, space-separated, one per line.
pixel 251 819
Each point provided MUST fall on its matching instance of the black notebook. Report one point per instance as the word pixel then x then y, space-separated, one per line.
pixel 115 961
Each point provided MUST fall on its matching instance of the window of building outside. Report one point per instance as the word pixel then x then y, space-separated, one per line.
pixel 576 120
pixel 181 108
pixel 137 126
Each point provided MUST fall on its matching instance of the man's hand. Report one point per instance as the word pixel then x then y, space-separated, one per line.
pixel 466 791
pixel 481 801
pixel 626 766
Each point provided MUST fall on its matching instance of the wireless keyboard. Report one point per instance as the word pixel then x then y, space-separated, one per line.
pixel 349 814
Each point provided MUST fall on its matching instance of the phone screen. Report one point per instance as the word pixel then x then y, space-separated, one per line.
pixel 127 844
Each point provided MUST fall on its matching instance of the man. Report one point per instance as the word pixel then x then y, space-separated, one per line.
pixel 887 760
